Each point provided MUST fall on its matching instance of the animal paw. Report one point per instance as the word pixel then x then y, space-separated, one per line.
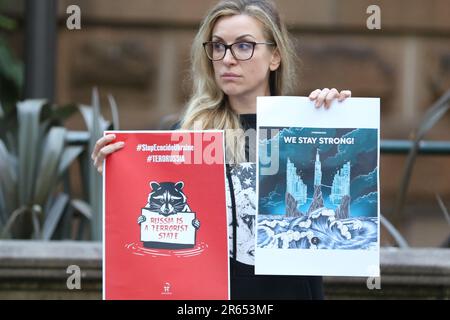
pixel 141 219
pixel 196 223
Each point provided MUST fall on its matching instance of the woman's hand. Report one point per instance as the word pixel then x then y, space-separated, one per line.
pixel 327 96
pixel 103 148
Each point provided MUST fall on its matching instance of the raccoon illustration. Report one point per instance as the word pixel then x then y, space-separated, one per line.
pixel 167 198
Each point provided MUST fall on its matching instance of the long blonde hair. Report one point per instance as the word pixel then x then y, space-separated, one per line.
pixel 208 107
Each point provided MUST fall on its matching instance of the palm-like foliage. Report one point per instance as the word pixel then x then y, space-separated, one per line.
pixel 431 117
pixel 31 165
pixel 34 161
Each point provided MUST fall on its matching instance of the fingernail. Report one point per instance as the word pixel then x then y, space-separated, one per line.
pixel 121 144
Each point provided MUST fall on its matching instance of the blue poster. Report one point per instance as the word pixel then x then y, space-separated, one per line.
pixel 324 195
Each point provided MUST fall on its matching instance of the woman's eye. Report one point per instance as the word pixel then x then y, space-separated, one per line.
pixel 217 46
pixel 244 46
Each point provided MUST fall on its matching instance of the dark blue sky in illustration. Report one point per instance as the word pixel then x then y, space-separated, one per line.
pixel 363 173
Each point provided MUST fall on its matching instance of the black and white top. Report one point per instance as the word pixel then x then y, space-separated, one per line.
pixel 241 201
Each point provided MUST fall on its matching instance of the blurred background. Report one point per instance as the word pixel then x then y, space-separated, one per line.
pixel 138 51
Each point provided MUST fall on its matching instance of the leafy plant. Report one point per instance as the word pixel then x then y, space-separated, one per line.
pixel 31 165
pixel 35 201
pixel 95 124
pixel 431 117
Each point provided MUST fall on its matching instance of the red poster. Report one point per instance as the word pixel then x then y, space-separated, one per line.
pixel 165 228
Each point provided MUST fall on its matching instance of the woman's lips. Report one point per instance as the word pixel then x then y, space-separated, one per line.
pixel 230 76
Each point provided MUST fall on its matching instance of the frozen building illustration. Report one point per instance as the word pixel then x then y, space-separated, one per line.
pixel 341 184
pixel 294 184
pixel 317 170
pixel 329 198
pixel 297 190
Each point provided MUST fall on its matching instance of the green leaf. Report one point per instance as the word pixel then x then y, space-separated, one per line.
pixel 443 208
pixel 68 156
pixel 36 211
pixel 54 215
pixel 7 23
pixel 114 111
pixel 8 181
pixel 3 214
pixel 88 116
pixel 402 243
pixel 28 136
pixel 12 219
pixel 431 117
pixel 48 169
pixel 95 182
pixel 11 143
pixel 43 128
pixel 82 207
pixel 96 124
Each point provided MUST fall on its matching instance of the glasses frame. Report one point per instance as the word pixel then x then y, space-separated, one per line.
pixel 229 46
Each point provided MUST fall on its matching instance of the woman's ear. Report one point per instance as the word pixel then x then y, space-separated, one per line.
pixel 275 61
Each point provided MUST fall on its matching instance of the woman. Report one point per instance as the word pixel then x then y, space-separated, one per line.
pixel 241 51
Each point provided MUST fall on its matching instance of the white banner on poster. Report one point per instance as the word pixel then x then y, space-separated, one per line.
pixel 318 187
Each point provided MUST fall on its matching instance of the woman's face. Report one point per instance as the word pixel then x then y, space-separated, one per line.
pixel 248 78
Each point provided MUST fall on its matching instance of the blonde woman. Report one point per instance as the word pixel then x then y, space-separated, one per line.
pixel 241 51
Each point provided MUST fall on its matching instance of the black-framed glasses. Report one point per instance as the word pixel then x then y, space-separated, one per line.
pixel 242 50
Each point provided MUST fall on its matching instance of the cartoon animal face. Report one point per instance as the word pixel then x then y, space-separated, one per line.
pixel 166 198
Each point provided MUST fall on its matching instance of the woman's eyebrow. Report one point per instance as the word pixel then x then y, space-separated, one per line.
pixel 238 38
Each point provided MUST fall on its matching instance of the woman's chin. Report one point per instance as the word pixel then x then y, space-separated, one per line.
pixel 231 90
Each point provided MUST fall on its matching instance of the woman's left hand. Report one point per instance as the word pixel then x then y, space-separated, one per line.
pixel 326 96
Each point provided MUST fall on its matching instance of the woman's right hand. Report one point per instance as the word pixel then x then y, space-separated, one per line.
pixel 104 147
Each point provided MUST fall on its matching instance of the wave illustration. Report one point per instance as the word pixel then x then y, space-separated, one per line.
pixel 319 230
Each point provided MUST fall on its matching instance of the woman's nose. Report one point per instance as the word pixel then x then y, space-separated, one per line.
pixel 229 58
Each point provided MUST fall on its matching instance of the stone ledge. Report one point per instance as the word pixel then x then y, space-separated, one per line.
pixel 54 251
pixel 416 273
pixel 37 270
